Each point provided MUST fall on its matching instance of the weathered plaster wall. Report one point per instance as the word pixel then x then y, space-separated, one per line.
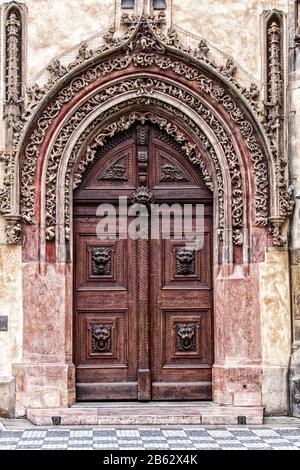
pixel 275 331
pixel 233 26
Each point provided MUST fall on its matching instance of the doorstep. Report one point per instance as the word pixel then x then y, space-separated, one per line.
pixel 159 413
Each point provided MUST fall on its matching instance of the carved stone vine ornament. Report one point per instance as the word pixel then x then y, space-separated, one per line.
pixel 124 123
pixel 143 45
pixel 274 118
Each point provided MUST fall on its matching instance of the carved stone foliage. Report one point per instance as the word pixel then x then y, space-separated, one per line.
pixel 117 126
pixel 186 337
pixel 197 105
pixel 102 338
pixel 144 46
pixel 101 261
pixel 185 261
pixel 14 73
pixel 38 136
pixel 13 231
pixel 274 117
pixel 187 147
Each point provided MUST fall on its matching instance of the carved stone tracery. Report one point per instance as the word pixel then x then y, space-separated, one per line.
pixel 116 126
pixel 146 46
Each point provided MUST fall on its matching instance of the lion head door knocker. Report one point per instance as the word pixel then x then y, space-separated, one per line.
pixel 101 261
pixel 186 337
pixel 101 338
pixel 185 261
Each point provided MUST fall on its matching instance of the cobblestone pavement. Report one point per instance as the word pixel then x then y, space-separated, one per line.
pixel 161 438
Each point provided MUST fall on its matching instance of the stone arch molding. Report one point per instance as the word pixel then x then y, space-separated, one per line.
pixel 202 106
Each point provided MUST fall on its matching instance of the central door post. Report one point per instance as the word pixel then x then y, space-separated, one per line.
pixel 144 373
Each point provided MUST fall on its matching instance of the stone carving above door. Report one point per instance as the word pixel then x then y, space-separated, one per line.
pixel 145 44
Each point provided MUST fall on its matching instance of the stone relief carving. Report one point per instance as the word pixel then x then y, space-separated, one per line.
pixel 13 231
pixel 186 337
pixel 102 338
pixel 158 64
pixel 101 261
pixel 56 71
pixel 187 148
pixel 13 94
pixel 185 261
pixel 274 118
pixel 122 124
pixel 138 53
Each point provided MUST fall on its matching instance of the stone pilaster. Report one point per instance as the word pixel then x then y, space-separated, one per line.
pixel 294 154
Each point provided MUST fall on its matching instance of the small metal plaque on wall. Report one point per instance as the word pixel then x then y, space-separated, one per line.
pixel 3 323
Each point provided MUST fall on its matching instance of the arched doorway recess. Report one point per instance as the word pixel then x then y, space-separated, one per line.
pixel 143 79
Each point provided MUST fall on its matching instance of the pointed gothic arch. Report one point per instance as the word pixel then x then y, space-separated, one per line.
pixel 146 76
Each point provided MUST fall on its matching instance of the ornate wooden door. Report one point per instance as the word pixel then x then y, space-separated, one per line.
pixel 143 308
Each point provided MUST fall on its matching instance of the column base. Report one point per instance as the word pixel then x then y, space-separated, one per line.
pixel 238 385
pixel 7 397
pixel 44 386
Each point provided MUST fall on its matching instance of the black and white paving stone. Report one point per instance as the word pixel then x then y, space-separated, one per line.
pixel 147 438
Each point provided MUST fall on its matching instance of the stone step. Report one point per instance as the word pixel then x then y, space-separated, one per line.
pixel 118 414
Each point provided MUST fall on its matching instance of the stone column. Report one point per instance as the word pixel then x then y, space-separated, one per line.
pixel 294 153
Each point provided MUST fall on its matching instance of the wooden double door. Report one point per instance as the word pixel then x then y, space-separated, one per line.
pixel 142 307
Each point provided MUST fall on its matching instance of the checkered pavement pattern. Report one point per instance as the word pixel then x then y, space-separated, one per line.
pixel 196 438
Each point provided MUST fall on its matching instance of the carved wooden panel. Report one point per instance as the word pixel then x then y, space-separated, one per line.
pixel 114 170
pixel 184 267
pixel 143 308
pixel 103 338
pixel 100 263
pixel 171 170
pixel 105 304
pixel 185 338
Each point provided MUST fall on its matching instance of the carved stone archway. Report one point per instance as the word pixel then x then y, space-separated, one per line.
pixel 213 120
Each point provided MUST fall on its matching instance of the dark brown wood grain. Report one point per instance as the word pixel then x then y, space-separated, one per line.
pixel 142 308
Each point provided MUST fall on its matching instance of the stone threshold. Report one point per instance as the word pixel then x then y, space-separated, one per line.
pixel 134 413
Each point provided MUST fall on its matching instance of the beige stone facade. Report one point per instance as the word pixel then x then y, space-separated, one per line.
pixel 232 30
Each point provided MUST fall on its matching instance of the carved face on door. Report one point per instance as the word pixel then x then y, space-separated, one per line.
pixel 101 261
pixel 185 261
